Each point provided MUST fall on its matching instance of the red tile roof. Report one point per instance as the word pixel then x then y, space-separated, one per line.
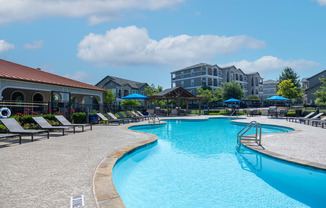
pixel 10 70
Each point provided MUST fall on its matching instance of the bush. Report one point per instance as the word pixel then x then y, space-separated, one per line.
pixel 290 114
pixel 78 118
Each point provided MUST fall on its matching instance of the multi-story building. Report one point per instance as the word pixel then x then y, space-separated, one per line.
pixel 310 86
pixel 202 74
pixel 122 87
pixel 269 88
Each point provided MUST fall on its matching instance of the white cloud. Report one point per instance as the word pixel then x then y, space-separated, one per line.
pixel 321 2
pixel 34 45
pixel 79 75
pixel 95 10
pixel 133 46
pixel 269 63
pixel 5 46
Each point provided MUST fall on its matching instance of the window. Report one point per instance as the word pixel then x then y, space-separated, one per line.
pixel 220 73
pixel 252 82
pixel 232 76
pixel 236 77
pixel 215 82
pixel 245 78
pixel 192 72
pixel 182 83
pixel 241 78
pixel 227 77
pixel 182 74
pixel 17 96
pixel 192 82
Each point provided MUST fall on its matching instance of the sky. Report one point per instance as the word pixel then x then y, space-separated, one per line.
pixel 145 40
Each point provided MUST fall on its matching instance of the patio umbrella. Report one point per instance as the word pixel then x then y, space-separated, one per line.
pixel 232 100
pixel 277 98
pixel 134 96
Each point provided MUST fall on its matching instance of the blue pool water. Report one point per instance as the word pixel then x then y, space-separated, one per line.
pixel 195 164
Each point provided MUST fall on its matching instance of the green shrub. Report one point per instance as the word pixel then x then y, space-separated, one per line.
pixel 290 114
pixel 3 128
pixel 78 118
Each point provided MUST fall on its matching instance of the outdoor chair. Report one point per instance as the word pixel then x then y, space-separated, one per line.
pixel 131 116
pixel 11 135
pixel 118 119
pixel 103 118
pixel 45 125
pixel 295 119
pixel 130 119
pixel 138 115
pixel 310 119
pixel 65 122
pixel 317 122
pixel 14 127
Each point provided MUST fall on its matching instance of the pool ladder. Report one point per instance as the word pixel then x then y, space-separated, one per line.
pixel 256 137
pixel 153 119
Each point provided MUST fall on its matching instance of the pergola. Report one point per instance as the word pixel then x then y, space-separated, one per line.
pixel 176 93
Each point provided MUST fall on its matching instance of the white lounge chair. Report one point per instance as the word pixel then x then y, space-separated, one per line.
pixel 65 122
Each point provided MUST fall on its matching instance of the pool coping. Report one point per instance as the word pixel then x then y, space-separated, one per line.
pixel 104 191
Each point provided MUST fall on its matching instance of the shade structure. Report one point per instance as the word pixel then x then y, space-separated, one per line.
pixel 232 100
pixel 277 98
pixel 134 96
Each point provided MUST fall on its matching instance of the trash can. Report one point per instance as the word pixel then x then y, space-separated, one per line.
pixel 93 118
pixel 298 113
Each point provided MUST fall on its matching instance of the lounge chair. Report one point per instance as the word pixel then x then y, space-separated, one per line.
pixel 118 119
pixel 139 113
pixel 317 122
pixel 134 117
pixel 295 119
pixel 131 119
pixel 65 122
pixel 45 125
pixel 12 135
pixel 14 127
pixel 103 118
pixel 310 119
pixel 135 114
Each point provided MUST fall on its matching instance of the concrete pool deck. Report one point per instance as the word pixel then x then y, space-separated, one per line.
pixel 46 173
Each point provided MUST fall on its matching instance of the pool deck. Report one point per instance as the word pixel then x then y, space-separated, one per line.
pixel 46 173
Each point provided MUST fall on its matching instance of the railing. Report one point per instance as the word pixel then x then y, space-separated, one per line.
pixel 153 119
pixel 256 137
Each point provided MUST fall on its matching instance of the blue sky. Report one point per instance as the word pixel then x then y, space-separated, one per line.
pixel 145 40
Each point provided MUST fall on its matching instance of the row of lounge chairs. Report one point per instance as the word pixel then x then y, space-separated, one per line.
pixel 314 121
pixel 16 130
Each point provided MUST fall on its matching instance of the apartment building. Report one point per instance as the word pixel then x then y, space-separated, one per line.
pixel 122 87
pixel 310 86
pixel 269 88
pixel 202 74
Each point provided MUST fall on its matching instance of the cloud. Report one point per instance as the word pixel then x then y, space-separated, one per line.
pixel 269 63
pixel 321 2
pixel 79 75
pixel 5 46
pixel 133 46
pixel 34 45
pixel 95 10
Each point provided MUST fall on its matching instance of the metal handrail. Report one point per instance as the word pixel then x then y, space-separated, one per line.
pixel 152 118
pixel 243 131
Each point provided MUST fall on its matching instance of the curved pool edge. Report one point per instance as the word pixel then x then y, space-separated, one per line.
pixel 104 190
pixel 257 148
pixel 105 194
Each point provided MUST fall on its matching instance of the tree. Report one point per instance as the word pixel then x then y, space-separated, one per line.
pixel 206 95
pixel 218 95
pixel 108 97
pixel 321 94
pixel 287 89
pixel 232 90
pixel 152 90
pixel 130 103
pixel 289 73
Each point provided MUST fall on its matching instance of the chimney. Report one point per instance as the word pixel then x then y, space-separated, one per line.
pixel 39 69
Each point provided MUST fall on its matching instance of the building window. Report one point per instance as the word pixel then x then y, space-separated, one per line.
pixel 256 79
pixel 236 77
pixel 245 78
pixel 215 72
pixel 227 77
pixel 182 74
pixel 215 82
pixel 192 82
pixel 232 76
pixel 182 83
pixel 241 78
pixel 220 73
pixel 252 82
pixel 17 96
pixel 192 72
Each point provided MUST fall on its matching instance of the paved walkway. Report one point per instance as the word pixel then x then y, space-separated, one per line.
pixel 46 173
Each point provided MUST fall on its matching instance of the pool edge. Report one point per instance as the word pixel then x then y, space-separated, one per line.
pixel 104 191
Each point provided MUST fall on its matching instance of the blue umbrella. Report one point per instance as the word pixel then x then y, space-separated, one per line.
pixel 134 96
pixel 277 98
pixel 232 100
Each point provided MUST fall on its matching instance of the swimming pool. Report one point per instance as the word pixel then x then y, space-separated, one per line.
pixel 195 164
